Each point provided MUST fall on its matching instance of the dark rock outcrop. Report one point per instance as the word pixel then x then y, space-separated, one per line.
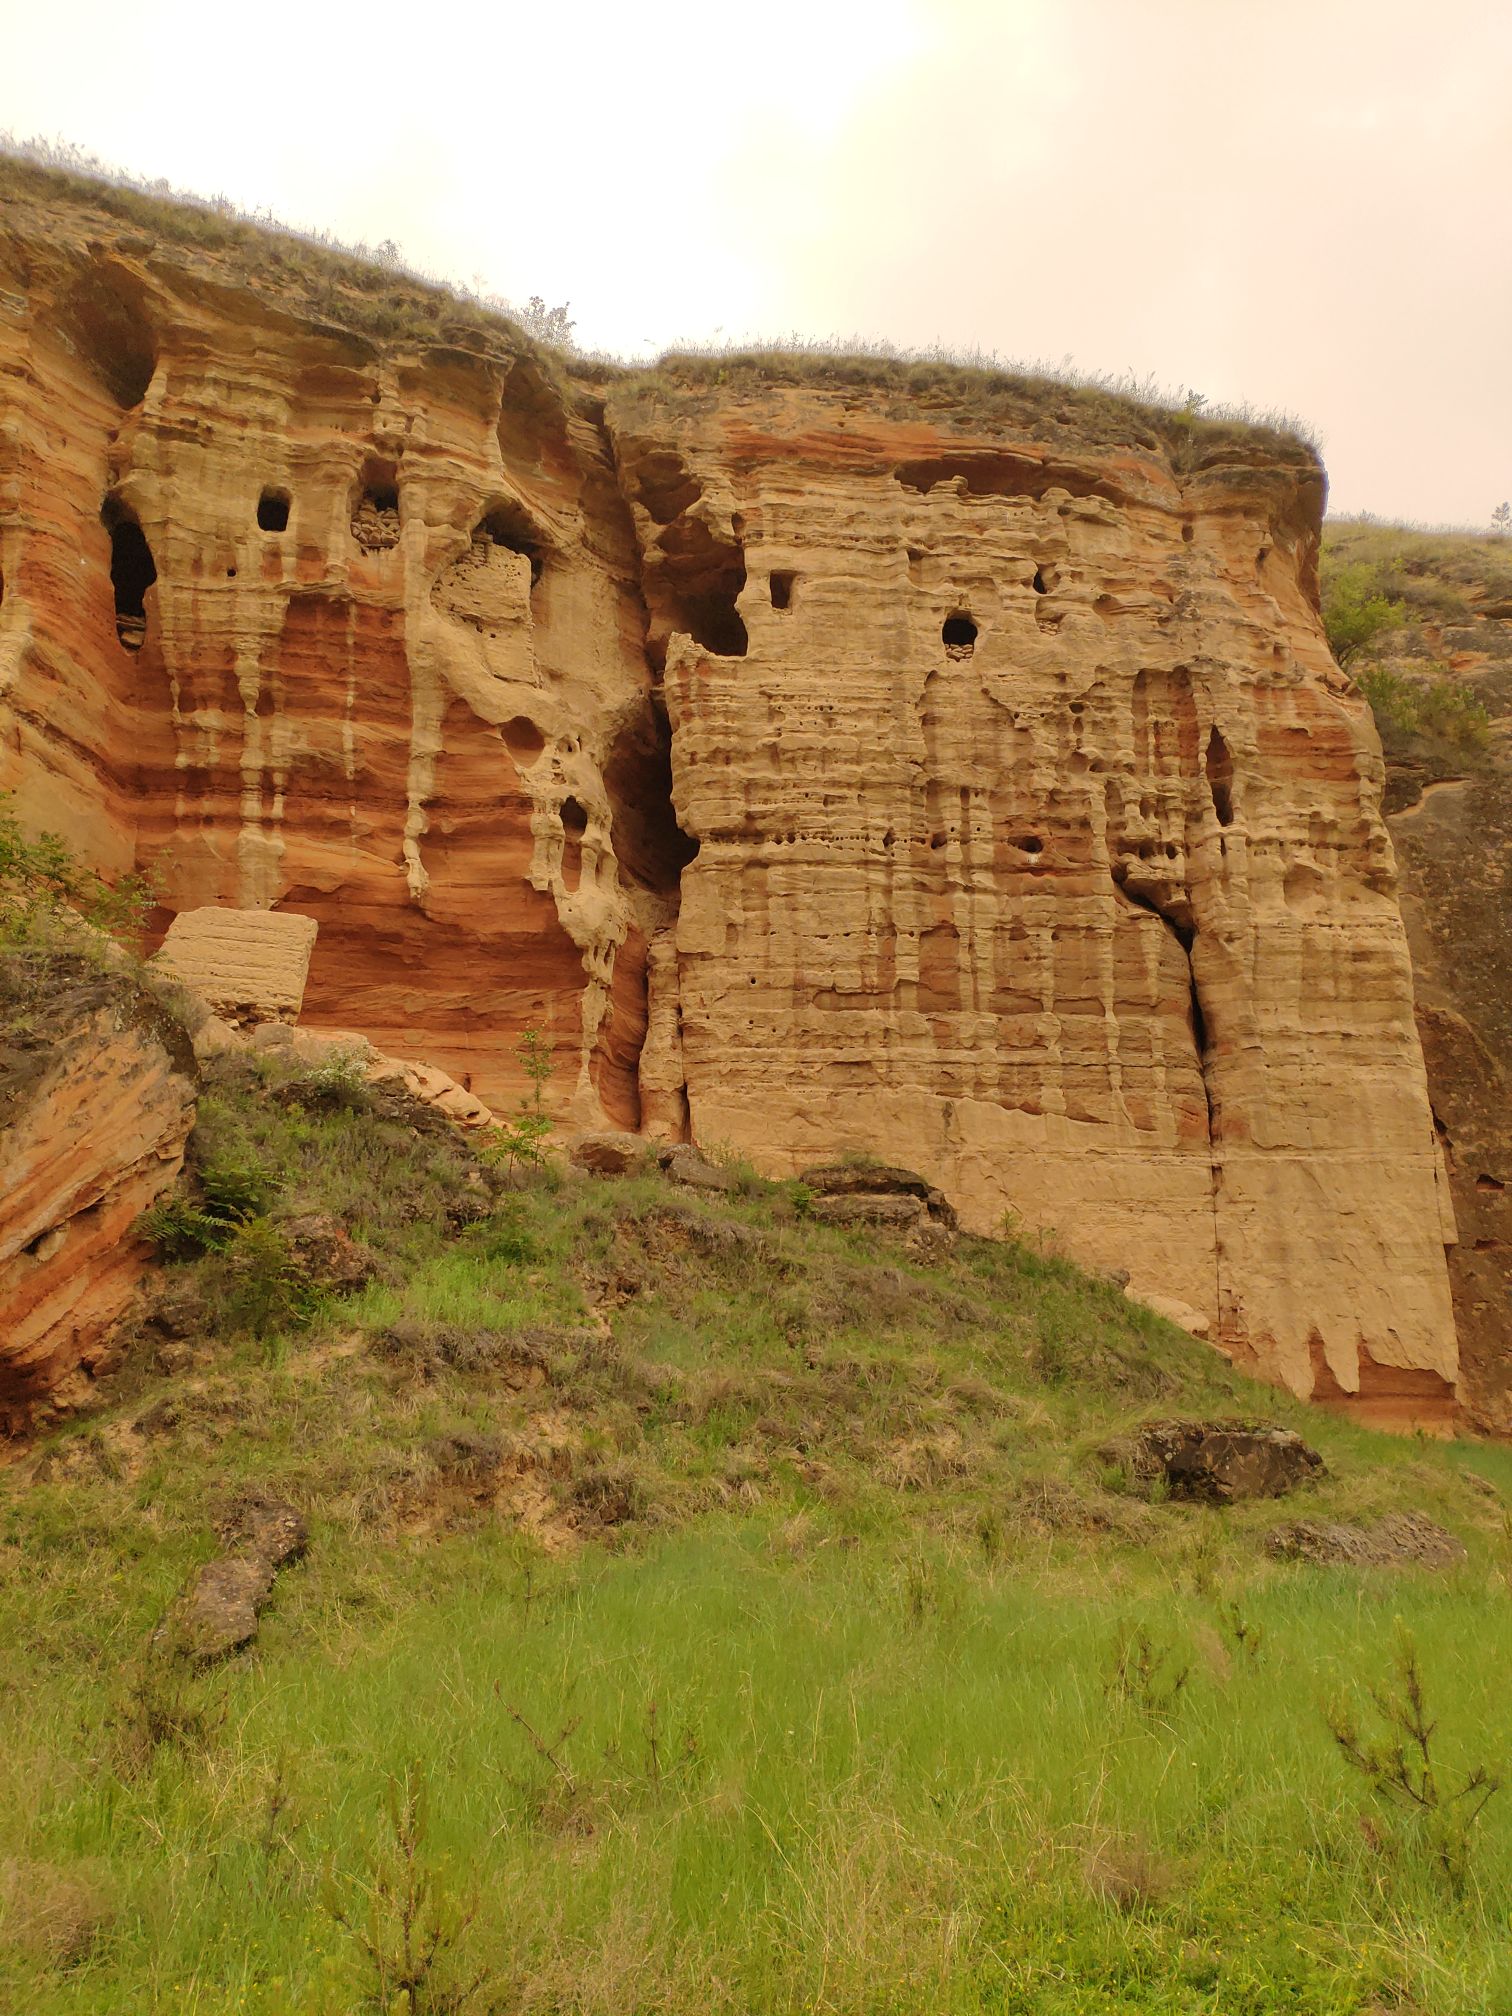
pixel 1216 1462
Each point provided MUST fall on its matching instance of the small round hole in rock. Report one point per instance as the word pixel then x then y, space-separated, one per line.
pixel 958 632
pixel 1039 581
pixel 574 819
pixel 273 511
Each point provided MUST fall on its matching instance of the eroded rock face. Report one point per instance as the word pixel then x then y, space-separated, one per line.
pixel 962 776
pixel 96 1104
pixel 1038 832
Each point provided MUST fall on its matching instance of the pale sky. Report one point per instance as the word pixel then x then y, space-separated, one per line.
pixel 1305 204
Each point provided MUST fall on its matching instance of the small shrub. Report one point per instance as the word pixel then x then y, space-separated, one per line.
pixel 336 1084
pixel 406 1930
pixel 180 1230
pixel 1241 1634
pixel 267 1289
pixel 1400 1767
pixel 521 1142
pixel 1145 1675
pixel 42 881
pixel 1430 703
pixel 232 1194
pixel 1358 611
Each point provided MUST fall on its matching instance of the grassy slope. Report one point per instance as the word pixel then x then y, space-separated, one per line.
pixel 808 1550
pixel 1434 715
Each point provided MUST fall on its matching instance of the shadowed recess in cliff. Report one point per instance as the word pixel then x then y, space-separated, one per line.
pixel 998 474
pixel 103 318
pixel 650 846
pixel 1219 765
pixel 485 587
pixel 509 525
pixel 532 429
pixel 132 571
pixel 693 570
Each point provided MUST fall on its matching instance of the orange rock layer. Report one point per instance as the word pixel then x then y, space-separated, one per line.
pixel 968 783
pixel 90 1136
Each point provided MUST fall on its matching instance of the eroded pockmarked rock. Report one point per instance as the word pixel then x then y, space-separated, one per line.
pixel 821 770
pixel 97 1097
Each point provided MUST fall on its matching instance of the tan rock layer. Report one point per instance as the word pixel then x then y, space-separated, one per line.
pixel 821 770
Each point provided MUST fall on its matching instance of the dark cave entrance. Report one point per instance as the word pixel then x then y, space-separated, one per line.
pixel 273 511
pixel 651 847
pixel 1175 915
pixel 132 571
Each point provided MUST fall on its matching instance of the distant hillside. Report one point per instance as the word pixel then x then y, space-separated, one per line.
pixel 1423 623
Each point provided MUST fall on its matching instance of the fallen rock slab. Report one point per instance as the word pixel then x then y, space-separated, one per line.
pixel 1400 1540
pixel 882 1195
pixel 227 1596
pixel 1217 1462
pixel 608 1154
pixel 250 966
pixel 681 1162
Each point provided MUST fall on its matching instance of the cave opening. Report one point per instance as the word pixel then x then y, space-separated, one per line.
pixel 1219 765
pixel 105 315
pixel 375 508
pixel 574 819
pixel 650 846
pixel 1039 581
pixel 958 632
pixel 704 576
pixel 780 583
pixel 132 571
pixel 273 511
pixel 509 525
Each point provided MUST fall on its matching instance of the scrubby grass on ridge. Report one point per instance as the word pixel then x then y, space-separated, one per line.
pixel 367 287
pixel 832 1647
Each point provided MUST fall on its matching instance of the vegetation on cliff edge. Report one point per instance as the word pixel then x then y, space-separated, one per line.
pixel 373 291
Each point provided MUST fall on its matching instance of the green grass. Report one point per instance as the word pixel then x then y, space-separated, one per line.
pixel 1436 570
pixel 800 1561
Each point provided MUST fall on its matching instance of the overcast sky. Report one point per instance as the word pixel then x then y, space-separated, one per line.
pixel 1305 204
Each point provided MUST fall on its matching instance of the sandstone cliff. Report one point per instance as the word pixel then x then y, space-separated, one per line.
pixel 96 1102
pixel 828 757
